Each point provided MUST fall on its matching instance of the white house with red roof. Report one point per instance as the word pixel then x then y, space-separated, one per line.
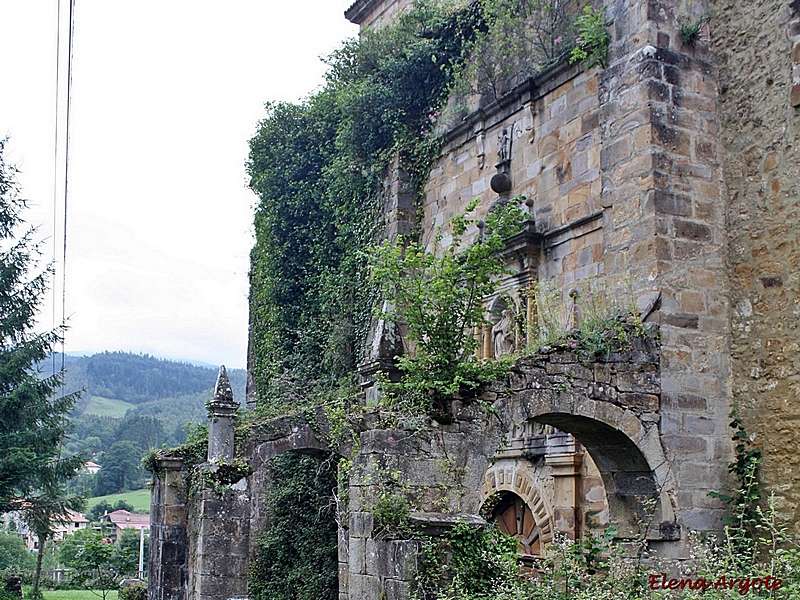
pixel 122 519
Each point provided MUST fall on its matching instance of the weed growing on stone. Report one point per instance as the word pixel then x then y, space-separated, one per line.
pixel 591 45
pixel 588 320
pixel 689 31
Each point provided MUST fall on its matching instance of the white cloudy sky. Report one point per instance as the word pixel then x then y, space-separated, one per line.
pixel 165 95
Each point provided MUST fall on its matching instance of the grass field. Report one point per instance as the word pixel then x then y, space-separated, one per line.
pixel 107 407
pixel 140 499
pixel 74 594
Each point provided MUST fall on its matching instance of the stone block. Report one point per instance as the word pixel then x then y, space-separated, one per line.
pixel 397 590
pixel 685 445
pixel 361 524
pixel 638 402
pixel 672 204
pixel 363 587
pixel 676 400
pixel 639 382
pixel 357 556
pixel 692 230
pixel 373 549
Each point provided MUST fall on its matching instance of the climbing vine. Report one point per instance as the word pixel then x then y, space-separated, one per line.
pixel 318 169
pixel 296 556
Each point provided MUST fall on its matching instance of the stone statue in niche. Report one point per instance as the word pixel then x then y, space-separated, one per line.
pixel 504 334
pixel 479 139
pixel 504 146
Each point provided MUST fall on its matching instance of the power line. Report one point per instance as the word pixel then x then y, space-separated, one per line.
pixel 66 180
pixel 61 140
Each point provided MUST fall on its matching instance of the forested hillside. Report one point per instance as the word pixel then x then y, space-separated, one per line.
pixel 131 403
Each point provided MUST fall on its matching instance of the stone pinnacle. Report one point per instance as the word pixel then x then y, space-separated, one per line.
pixel 223 393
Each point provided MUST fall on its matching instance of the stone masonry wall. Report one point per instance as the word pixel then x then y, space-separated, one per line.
pixel 665 231
pixel 555 162
pixel 444 469
pixel 623 167
pixel 169 543
pixel 374 13
pixel 757 45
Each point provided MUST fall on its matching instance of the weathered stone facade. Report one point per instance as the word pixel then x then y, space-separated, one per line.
pixel 673 175
pixel 759 107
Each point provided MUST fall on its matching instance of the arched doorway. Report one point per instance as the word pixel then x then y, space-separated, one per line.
pixel 515 518
pixel 513 500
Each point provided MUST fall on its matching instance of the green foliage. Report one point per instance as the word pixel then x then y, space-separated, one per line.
pixel 589 320
pixel 134 591
pixel 438 295
pixel 98 509
pixel 318 171
pixel 32 412
pixel 744 526
pixel 591 45
pixel 296 557
pixel 126 558
pixel 469 564
pixel 120 469
pixel 139 378
pixel 93 560
pixel 87 552
pixel 220 476
pixel 689 31
pixel 516 40
pixel 161 396
pixel 391 511
pixel 13 554
pixel 193 451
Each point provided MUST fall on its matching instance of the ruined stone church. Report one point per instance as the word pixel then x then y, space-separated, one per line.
pixel 673 172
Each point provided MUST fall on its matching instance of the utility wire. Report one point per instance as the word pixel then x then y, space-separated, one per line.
pixel 55 166
pixel 66 182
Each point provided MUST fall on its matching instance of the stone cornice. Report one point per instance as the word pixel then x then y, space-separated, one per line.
pixel 360 10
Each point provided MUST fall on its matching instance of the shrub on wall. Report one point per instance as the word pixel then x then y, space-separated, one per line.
pixel 319 169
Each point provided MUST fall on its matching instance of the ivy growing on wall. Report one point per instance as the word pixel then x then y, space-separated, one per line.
pixel 318 169
pixel 297 556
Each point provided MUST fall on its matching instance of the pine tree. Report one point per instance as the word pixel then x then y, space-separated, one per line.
pixel 33 416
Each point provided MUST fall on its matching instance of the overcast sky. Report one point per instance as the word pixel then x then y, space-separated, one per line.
pixel 165 95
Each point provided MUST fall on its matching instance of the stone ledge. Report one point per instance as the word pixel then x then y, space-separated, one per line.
pixel 438 523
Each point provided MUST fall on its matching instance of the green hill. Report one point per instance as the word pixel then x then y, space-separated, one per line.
pixel 107 407
pixel 131 403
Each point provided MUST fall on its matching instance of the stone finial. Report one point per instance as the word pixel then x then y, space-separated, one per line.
pixel 223 393
pixel 221 411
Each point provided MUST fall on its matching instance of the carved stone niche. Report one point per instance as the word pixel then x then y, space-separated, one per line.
pixel 505 334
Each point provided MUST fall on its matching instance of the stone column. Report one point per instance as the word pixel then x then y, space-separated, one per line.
pixel 221 411
pixel 220 517
pixel 488 343
pixel 566 473
pixel 169 543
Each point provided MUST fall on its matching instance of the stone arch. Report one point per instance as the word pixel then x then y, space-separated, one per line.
pixel 304 434
pixel 626 449
pixel 632 465
pixel 510 478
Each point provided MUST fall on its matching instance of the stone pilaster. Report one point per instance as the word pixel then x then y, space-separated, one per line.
pixel 566 483
pixel 221 544
pixel 169 543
